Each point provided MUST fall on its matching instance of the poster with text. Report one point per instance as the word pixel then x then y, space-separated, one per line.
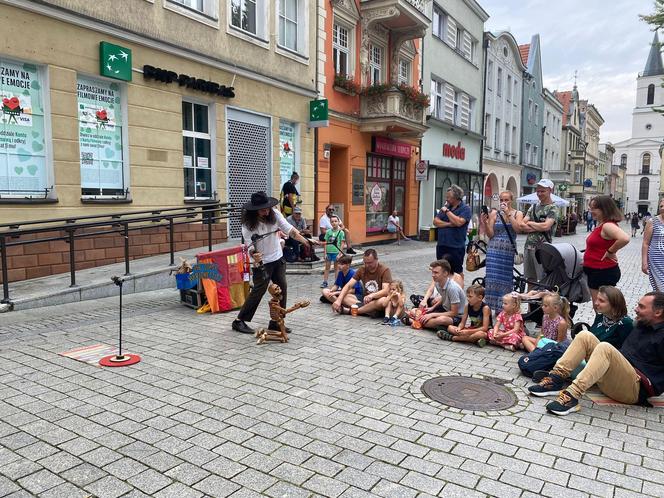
pixel 286 150
pixel 22 142
pixel 100 134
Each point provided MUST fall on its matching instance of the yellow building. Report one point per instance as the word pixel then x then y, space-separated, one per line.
pixel 134 104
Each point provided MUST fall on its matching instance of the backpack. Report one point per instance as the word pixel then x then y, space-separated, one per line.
pixel 542 358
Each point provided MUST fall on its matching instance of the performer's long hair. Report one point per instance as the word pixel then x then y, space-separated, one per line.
pixel 250 219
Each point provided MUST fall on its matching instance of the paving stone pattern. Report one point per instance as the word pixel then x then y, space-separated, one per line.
pixel 332 413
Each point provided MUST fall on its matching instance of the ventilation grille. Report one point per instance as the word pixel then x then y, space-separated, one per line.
pixel 248 164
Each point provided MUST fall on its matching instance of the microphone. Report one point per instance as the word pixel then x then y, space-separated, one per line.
pixel 255 237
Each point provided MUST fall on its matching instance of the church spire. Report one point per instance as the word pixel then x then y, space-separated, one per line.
pixel 654 66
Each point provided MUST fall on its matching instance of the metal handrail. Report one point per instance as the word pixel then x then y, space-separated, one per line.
pixel 117 223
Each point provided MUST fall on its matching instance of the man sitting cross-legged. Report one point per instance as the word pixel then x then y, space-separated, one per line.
pixel 375 279
pixel 444 301
pixel 343 277
pixel 630 375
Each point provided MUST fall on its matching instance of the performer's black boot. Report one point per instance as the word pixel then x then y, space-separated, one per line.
pixel 275 326
pixel 242 327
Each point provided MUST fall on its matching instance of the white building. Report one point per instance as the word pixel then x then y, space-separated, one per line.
pixel 553 124
pixel 641 153
pixel 502 117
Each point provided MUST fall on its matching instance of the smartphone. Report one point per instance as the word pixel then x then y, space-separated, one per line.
pixel 485 210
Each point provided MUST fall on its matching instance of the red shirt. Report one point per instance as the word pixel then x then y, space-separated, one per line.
pixel 596 246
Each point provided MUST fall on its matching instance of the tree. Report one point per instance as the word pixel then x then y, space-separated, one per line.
pixel 656 19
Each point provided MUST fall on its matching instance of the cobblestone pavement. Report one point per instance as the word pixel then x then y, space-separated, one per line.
pixel 335 412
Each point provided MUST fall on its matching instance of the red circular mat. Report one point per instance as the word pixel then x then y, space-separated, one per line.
pixel 111 361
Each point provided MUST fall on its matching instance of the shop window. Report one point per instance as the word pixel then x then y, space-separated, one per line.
pixel 197 151
pixel 101 136
pixel 287 149
pixel 384 191
pixel 23 141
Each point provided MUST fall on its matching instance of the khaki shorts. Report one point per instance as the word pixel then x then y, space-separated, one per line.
pixel 532 270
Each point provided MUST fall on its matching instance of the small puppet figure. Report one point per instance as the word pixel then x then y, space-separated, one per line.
pixel 277 315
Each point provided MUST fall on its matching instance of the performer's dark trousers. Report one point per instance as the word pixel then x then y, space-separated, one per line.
pixel 276 272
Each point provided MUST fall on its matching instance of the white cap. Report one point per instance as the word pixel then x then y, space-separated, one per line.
pixel 545 182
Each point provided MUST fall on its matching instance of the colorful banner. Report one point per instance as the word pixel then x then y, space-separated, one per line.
pixel 287 132
pixel 22 142
pixel 100 134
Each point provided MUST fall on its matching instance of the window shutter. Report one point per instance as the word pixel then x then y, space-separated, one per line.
pixel 449 103
pixel 465 111
pixel 451 31
pixel 432 99
pixel 467 46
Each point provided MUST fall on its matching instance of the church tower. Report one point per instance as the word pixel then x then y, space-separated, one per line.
pixel 646 123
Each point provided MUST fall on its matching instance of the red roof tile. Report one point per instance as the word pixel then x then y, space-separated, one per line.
pixel 523 51
pixel 564 98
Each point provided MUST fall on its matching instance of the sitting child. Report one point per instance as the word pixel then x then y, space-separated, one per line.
pixel 508 331
pixel 475 322
pixel 555 321
pixel 343 277
pixel 396 300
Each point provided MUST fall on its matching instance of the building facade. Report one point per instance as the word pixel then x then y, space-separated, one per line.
pixel 502 117
pixel 155 104
pixel 593 177
pixel 569 177
pixel 369 66
pixel 641 153
pixel 454 73
pixel 553 127
pixel 532 112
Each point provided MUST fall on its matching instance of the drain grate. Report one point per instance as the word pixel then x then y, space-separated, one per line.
pixel 468 393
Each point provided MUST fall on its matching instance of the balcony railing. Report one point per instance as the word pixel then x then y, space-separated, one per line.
pixel 391 111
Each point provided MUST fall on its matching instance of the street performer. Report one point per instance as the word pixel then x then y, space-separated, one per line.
pixel 261 224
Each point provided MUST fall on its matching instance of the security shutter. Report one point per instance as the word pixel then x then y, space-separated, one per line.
pixel 449 103
pixel 467 46
pixel 465 111
pixel 248 160
pixel 451 31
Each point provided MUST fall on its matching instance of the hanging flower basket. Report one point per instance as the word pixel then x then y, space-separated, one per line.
pixel 414 95
pixel 346 84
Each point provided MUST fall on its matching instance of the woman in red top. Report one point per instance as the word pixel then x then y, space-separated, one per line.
pixel 600 261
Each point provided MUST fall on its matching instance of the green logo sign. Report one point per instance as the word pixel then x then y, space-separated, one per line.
pixel 114 61
pixel 318 114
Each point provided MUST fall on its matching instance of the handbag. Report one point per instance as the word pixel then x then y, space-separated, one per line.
pixel 473 260
pixel 518 257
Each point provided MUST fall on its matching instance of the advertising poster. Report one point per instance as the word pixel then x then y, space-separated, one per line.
pixel 22 143
pixel 100 134
pixel 286 150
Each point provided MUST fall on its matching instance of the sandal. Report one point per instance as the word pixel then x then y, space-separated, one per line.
pixel 444 335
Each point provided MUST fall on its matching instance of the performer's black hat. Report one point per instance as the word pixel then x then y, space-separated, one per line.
pixel 260 200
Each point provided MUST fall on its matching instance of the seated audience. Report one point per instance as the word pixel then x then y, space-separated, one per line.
pixel 375 279
pixel 508 331
pixel 444 301
pixel 475 322
pixel 343 277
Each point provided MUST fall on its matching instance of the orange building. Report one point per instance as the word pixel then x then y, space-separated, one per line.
pixel 370 76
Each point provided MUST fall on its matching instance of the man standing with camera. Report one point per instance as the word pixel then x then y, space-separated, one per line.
pixel 452 223
pixel 540 225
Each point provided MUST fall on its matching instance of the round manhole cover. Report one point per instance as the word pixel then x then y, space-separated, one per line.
pixel 467 393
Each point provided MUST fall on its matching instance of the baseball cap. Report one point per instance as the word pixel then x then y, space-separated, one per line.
pixel 545 182
pixel 297 210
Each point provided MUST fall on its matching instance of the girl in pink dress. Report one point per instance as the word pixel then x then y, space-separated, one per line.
pixel 508 331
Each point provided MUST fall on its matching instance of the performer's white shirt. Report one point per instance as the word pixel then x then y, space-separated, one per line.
pixel 270 246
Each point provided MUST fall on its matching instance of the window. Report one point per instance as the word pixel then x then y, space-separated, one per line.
pixel 438 24
pixel 509 87
pixel 384 191
pixel 101 137
pixel 536 114
pixel 404 72
pixel 499 82
pixel 623 160
pixel 496 137
pixel 514 139
pixel 197 151
pixel 515 93
pixel 288 18
pixel 208 8
pixel 530 110
pixel 651 94
pixel 645 164
pixel 192 4
pixel 577 173
pixel 535 159
pixel 489 76
pixel 437 99
pixel 546 158
pixel 487 124
pixel 375 64
pixel 526 157
pixel 340 50
pixel 247 16
pixel 457 108
pixel 546 123
pixel 24 144
pixel 506 138
pixel 288 151
pixel 644 187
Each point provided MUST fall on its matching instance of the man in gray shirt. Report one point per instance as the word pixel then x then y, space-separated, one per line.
pixel 448 298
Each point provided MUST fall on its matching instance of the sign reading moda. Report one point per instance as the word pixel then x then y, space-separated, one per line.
pixel 100 136
pixel 22 143
pixel 114 61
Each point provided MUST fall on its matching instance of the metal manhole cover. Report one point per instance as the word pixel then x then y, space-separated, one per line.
pixel 467 393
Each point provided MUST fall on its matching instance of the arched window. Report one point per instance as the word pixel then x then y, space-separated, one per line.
pixel 623 160
pixel 645 164
pixel 644 186
pixel 651 94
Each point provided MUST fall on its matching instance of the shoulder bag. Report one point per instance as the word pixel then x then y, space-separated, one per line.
pixel 518 257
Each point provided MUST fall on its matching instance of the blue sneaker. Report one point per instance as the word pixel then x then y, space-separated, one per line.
pixel 386 321
pixel 564 404
pixel 551 385
pixel 395 322
pixel 323 285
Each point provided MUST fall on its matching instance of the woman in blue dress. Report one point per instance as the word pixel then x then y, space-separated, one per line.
pixel 500 251
pixel 652 251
